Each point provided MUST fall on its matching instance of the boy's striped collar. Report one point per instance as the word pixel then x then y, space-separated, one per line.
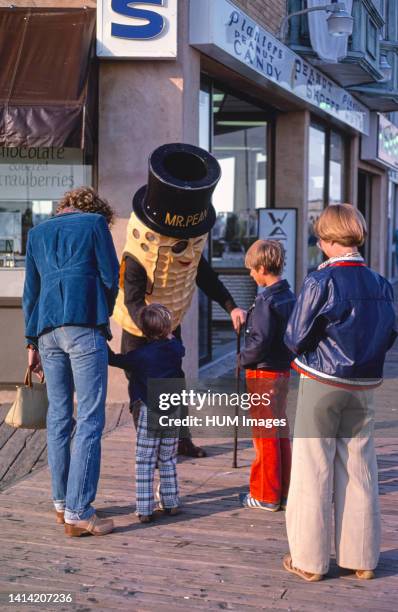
pixel 350 259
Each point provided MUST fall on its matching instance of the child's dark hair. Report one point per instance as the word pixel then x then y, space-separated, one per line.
pixel 155 321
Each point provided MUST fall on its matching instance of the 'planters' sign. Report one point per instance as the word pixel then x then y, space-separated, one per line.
pixel 128 29
pixel 224 32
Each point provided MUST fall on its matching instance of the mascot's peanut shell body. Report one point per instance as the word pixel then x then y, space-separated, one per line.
pixel 171 277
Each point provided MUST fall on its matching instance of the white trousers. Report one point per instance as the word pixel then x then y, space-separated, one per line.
pixel 333 477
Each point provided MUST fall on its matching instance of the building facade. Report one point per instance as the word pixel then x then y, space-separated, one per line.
pixel 293 131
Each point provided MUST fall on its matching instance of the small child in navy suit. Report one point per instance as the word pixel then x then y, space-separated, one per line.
pixel 160 357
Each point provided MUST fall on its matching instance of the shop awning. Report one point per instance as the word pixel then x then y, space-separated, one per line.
pixel 45 69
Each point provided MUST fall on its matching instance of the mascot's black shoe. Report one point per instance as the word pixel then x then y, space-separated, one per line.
pixel 188 449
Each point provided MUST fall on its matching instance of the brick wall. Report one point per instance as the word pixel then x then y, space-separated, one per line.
pixel 268 13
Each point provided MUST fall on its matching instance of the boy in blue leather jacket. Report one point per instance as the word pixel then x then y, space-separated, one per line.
pixel 340 330
pixel 267 363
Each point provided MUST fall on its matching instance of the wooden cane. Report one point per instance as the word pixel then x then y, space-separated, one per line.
pixel 237 372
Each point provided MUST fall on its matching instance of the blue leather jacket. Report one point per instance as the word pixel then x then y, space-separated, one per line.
pixel 265 327
pixel 343 322
pixel 71 274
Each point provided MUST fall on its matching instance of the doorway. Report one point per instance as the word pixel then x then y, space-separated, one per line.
pixel 365 184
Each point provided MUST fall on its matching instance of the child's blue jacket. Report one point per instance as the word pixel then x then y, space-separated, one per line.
pixel 72 274
pixel 265 327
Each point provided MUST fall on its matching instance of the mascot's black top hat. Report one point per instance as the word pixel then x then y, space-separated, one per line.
pixel 177 200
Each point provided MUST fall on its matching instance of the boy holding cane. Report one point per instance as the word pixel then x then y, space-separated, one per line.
pixel 267 363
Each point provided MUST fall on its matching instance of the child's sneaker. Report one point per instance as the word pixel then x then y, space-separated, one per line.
pixel 247 501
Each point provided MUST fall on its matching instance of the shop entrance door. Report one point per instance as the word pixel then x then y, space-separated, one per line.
pixel 365 207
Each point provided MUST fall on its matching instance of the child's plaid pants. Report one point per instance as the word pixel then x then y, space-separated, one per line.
pixel 152 450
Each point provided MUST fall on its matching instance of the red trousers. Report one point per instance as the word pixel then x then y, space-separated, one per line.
pixel 270 471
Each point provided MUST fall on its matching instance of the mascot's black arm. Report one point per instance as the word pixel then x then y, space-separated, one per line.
pixel 207 280
pixel 134 288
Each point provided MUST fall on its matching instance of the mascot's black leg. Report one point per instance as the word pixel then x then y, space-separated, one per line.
pixel 186 447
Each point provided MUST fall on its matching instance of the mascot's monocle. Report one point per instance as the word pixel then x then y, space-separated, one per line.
pixel 162 259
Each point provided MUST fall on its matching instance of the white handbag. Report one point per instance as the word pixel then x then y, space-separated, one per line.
pixel 29 409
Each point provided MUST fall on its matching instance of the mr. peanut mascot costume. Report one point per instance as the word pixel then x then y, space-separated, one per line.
pixel 162 260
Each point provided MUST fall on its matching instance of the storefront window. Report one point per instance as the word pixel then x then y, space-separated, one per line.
pixel 239 144
pixel 336 169
pixel 316 191
pixel 326 181
pixel 32 181
pixel 236 132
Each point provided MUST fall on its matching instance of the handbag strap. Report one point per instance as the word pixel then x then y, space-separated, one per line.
pixel 28 378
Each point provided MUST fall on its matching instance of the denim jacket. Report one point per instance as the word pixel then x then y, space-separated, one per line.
pixel 265 327
pixel 343 323
pixel 71 274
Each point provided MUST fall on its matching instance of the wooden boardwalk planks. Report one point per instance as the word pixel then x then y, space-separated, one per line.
pixel 214 556
pixel 23 451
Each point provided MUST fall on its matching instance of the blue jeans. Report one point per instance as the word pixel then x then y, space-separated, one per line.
pixel 75 358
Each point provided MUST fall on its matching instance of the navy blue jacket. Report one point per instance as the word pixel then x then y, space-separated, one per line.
pixel 155 359
pixel 265 327
pixel 71 274
pixel 343 323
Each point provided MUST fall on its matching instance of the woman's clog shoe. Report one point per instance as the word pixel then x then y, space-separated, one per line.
pixel 93 526
pixel 60 517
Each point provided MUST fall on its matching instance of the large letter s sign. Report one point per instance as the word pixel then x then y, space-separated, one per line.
pixel 149 30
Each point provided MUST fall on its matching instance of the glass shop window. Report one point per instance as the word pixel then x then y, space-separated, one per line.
pixel 239 144
pixel 326 161
pixel 32 181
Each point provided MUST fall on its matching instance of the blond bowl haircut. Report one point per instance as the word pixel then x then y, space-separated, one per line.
pixel 267 253
pixel 341 223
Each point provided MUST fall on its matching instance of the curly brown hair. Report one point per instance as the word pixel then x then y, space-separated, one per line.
pixel 87 200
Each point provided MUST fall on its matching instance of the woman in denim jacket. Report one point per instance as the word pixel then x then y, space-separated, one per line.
pixel 70 289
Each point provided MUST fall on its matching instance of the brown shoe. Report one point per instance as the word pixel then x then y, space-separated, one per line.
pixel 187 448
pixel 365 574
pixel 94 526
pixel 287 564
pixel 172 511
pixel 60 517
pixel 145 518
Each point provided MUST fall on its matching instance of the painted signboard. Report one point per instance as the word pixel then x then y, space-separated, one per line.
pixel 224 32
pixel 280 224
pixel 142 30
